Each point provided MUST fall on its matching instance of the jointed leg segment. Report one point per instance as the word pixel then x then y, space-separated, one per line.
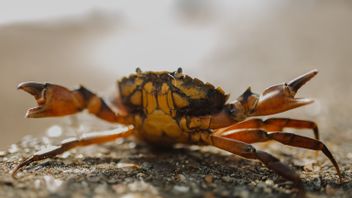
pixel 257 135
pixel 275 125
pixel 88 139
pixel 246 150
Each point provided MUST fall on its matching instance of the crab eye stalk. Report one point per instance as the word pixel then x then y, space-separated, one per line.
pixel 138 71
pixel 178 73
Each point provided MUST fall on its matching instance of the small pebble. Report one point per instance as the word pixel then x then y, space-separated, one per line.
pixel 133 195
pixel 140 175
pixel 209 195
pixel 268 190
pixel 54 131
pixel 112 180
pixel 93 177
pixel 225 193
pixel 79 156
pixel 13 148
pixel 182 189
pixel 308 167
pixel 244 194
pixel 208 179
pixel 52 184
pixel 132 145
pixel 147 165
pixel 66 154
pixel 37 184
pixel 329 190
pixel 119 188
pixel 226 179
pixel 269 182
pixel 349 155
pixel 317 183
pixel 180 178
pixel 124 165
pixel 2 153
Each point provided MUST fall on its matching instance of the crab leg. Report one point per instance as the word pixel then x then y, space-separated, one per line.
pixel 68 144
pixel 274 125
pixel 55 100
pixel 257 135
pixel 248 151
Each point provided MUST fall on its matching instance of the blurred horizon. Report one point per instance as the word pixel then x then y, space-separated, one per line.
pixel 232 44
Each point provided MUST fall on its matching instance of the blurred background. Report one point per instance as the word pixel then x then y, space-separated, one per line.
pixel 233 44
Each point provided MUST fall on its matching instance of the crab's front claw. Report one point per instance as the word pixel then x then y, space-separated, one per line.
pixel 280 98
pixel 53 100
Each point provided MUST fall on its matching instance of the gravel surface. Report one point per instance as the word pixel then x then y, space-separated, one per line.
pixel 126 168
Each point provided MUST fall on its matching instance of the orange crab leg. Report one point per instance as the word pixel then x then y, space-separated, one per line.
pixel 257 135
pixel 275 125
pixel 87 139
pixel 55 100
pixel 248 151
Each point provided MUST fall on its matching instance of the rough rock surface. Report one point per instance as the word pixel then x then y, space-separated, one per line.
pixel 125 168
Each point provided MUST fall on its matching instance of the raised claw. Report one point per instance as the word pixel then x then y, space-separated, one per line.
pixel 280 98
pixel 52 100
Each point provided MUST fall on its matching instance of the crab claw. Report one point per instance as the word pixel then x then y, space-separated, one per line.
pixel 280 98
pixel 53 100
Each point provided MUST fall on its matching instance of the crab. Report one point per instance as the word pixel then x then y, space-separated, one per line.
pixel 165 108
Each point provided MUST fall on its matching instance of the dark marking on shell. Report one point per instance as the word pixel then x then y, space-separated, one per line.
pixel 211 100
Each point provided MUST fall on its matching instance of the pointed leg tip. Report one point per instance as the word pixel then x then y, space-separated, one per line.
pixel 15 171
pixel 22 164
pixel 341 181
pixel 14 174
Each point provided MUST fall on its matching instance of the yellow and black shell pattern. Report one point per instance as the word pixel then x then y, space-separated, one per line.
pixel 173 93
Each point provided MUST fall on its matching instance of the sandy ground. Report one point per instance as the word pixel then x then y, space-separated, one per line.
pixel 130 169
pixel 272 46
